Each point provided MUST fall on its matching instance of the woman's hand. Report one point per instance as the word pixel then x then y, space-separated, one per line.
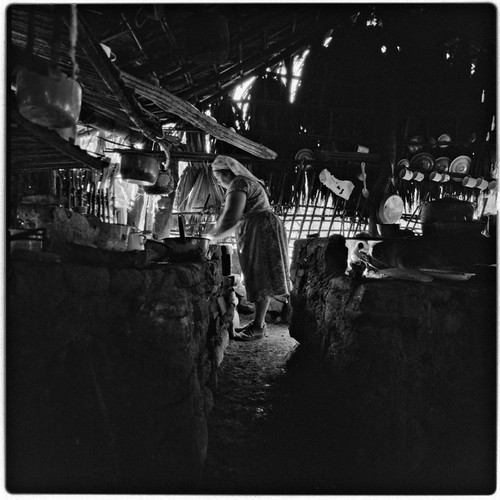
pixel 233 211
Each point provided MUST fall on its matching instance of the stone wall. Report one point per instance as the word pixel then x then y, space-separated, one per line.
pixel 110 375
pixel 413 366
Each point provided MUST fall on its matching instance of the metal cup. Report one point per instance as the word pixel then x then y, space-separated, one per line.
pixel 469 182
pixel 418 176
pixel 406 175
pixel 136 241
pixel 481 184
pixel 436 177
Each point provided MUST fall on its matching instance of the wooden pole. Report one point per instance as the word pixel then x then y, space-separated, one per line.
pixel 173 104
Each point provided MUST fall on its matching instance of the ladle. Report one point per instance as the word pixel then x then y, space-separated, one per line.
pixel 363 173
pixel 182 231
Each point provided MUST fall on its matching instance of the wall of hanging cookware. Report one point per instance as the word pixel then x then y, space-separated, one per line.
pixel 89 192
pixel 440 162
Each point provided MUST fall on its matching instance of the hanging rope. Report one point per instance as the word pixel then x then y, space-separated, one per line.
pixel 56 42
pixel 73 36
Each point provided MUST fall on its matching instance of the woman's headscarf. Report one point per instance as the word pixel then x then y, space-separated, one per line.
pixel 222 162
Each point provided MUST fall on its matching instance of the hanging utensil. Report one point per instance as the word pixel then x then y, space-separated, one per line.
pixel 333 214
pixel 102 192
pixel 391 206
pixel 182 232
pixel 365 191
pixel 352 227
pixel 206 203
pixel 342 220
pixel 112 186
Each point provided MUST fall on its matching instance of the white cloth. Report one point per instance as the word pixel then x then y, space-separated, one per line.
pixel 222 162
pixel 340 188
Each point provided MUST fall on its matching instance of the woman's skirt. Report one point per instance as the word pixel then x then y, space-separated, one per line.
pixel 263 253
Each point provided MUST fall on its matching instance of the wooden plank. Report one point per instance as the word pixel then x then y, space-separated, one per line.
pixel 185 110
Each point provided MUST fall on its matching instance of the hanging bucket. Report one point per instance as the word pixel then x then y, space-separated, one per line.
pixel 52 101
pixel 139 169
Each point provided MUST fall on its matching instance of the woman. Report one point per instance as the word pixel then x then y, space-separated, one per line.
pixel 260 239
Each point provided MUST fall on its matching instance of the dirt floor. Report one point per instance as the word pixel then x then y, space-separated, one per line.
pixel 271 430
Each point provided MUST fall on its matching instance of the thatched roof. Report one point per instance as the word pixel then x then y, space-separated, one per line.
pixel 191 55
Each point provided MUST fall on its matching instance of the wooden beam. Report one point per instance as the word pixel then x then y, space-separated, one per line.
pixel 185 110
pixel 354 159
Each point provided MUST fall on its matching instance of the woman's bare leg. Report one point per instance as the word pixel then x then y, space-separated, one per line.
pixel 261 307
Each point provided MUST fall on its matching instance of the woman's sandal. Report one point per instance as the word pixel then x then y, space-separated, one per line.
pixel 241 328
pixel 250 332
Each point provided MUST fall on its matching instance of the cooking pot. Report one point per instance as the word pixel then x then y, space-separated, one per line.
pixel 113 236
pixel 187 249
pixel 446 210
pixel 52 101
pixel 176 250
pixel 139 168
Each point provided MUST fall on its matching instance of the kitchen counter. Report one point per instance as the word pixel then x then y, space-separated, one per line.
pixel 413 365
pixel 111 374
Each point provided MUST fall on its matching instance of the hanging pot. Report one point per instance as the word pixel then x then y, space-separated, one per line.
pixel 139 168
pixel 164 184
pixel 52 101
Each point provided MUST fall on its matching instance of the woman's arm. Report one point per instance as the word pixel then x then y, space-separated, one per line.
pixel 235 204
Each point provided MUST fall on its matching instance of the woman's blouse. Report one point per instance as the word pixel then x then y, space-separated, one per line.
pixel 257 200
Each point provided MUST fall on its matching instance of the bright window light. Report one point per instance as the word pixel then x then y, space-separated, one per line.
pixel 242 88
